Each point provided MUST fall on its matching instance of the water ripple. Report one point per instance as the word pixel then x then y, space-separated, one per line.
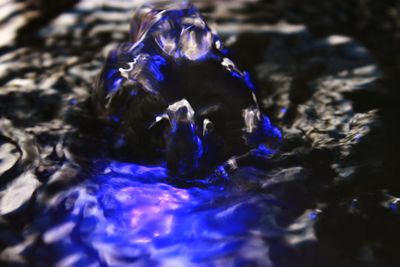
pixel 127 215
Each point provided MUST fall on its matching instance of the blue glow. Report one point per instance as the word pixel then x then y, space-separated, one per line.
pixel 313 215
pixel 155 69
pixel 269 130
pixel 73 102
pixel 394 205
pixel 127 211
pixel 277 134
pixel 263 150
pixel 155 65
pixel 236 74
pixel 114 118
pixel 248 81
pixel 113 80
pixel 159 60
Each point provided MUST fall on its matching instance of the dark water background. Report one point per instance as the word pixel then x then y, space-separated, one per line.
pixel 327 71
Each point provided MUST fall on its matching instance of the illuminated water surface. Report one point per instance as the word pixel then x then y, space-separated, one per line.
pixel 129 215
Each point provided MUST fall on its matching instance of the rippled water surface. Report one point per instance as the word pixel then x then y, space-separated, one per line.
pixel 325 199
pixel 128 215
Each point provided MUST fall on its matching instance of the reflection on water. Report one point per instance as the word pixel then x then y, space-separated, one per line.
pixel 127 215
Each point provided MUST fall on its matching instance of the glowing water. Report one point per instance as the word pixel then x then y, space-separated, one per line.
pixel 127 215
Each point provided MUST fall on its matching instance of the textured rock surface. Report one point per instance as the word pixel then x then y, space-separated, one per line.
pixel 327 74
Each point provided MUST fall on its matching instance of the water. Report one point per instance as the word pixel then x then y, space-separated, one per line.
pixel 128 215
pixel 174 88
pixel 122 214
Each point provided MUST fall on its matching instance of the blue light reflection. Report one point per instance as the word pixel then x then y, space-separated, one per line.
pixel 128 214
